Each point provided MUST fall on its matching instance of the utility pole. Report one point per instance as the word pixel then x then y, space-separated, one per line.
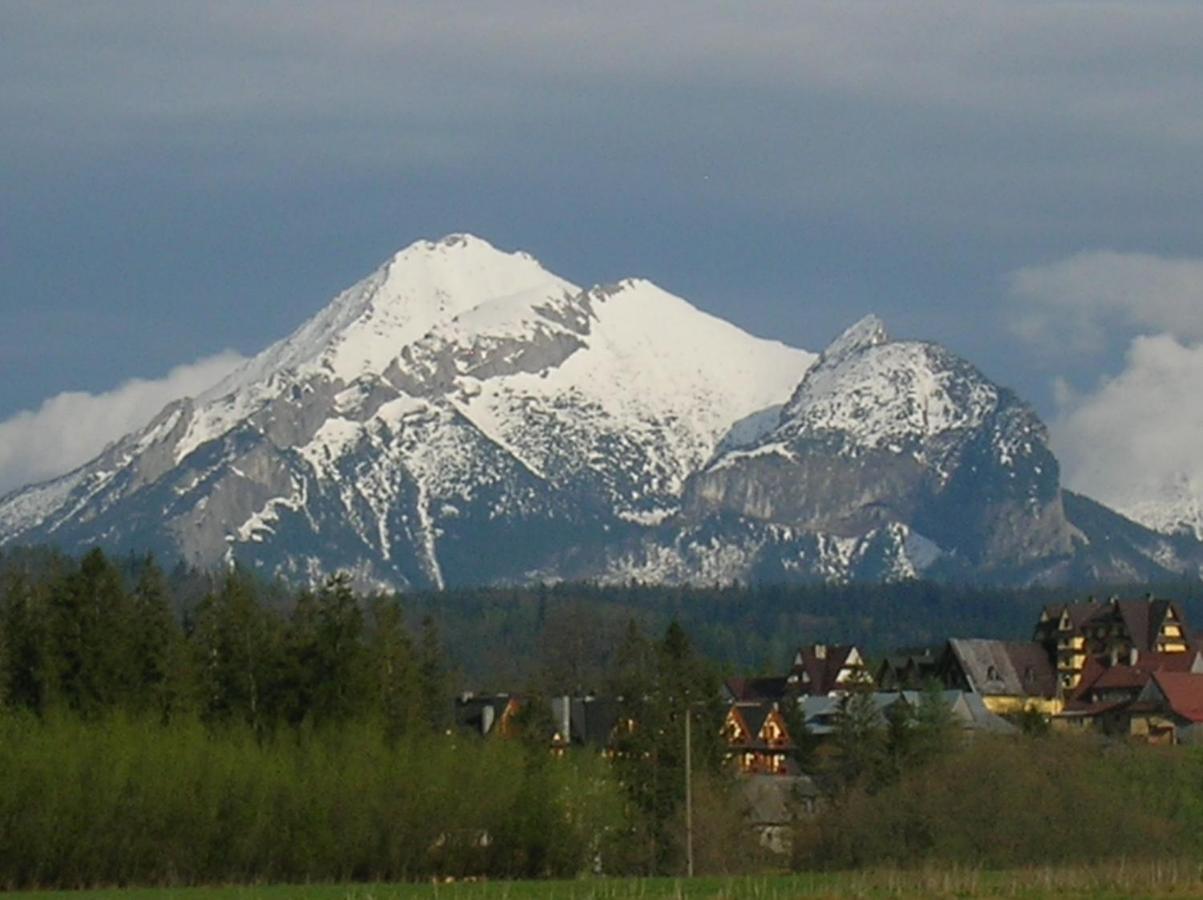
pixel 688 798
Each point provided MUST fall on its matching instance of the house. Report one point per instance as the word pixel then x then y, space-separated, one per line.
pixel 773 806
pixel 486 713
pixel 1169 710
pixel 1113 632
pixel 909 671
pixel 969 711
pixel 593 721
pixel 772 688
pixel 827 670
pixel 1009 676
pixel 758 739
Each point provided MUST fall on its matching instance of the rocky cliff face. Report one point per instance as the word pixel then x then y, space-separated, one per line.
pixel 884 434
pixel 464 416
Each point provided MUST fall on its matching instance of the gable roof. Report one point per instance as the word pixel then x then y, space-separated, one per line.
pixel 758 688
pixel 817 667
pixel 752 716
pixel 1005 668
pixel 592 720
pixel 1183 692
pixel 1142 619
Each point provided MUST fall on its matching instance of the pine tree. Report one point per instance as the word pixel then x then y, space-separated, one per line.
pixel 433 679
pixel 156 644
pixel 858 739
pixel 30 676
pixel 91 626
pixel 237 645
pixel 396 691
pixel 935 727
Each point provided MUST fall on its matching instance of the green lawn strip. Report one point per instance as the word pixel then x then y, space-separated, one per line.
pixel 1098 883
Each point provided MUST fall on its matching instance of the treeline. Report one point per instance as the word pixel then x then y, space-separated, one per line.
pixel 88 638
pixel 265 735
pixel 564 636
pixel 503 635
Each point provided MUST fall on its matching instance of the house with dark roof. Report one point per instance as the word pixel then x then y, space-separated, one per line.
pixel 592 721
pixel 968 711
pixel 774 804
pixel 485 714
pixel 908 671
pixel 758 739
pixel 1010 676
pixel 1114 631
pixel 1169 710
pixel 772 688
pixel 822 670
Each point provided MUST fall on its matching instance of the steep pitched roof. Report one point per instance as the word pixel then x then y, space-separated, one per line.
pixel 758 688
pixel 1138 617
pixel 592 720
pixel 1183 691
pixel 1077 613
pixel 753 715
pixel 817 667
pixel 1005 668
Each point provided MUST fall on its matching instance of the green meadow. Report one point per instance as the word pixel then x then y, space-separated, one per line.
pixel 1117 880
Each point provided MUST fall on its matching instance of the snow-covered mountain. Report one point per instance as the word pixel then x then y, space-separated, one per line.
pixel 459 415
pixel 895 459
pixel 1171 505
pixel 462 416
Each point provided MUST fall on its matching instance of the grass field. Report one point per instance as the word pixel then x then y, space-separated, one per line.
pixel 1113 881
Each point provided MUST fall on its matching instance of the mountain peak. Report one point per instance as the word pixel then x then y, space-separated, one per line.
pixel 868 332
pixel 460 253
pixel 364 328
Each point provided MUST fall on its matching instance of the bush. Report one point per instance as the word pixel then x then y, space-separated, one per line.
pixel 999 802
pixel 127 800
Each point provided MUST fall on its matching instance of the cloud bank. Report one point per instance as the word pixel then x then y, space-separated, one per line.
pixel 69 429
pixel 1132 439
pixel 1078 301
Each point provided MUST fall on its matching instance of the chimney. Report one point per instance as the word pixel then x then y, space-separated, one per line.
pixel 1133 656
pixel 820 651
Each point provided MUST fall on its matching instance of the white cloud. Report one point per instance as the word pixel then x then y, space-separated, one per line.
pixel 1134 441
pixel 1077 302
pixel 70 428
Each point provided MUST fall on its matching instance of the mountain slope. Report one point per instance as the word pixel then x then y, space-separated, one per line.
pixel 894 459
pixel 464 416
pixel 459 415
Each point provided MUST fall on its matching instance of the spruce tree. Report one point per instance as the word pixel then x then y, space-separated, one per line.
pixel 236 642
pixel 858 739
pixel 433 678
pixel 155 644
pixel 395 685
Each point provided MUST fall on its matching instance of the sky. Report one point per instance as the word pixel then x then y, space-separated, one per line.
pixel 181 184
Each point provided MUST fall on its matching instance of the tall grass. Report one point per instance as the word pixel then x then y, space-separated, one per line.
pixel 124 801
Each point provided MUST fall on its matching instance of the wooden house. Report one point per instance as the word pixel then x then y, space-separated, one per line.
pixel 1114 632
pixel 1169 710
pixel 827 670
pixel 908 671
pixel 1010 676
pixel 758 739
